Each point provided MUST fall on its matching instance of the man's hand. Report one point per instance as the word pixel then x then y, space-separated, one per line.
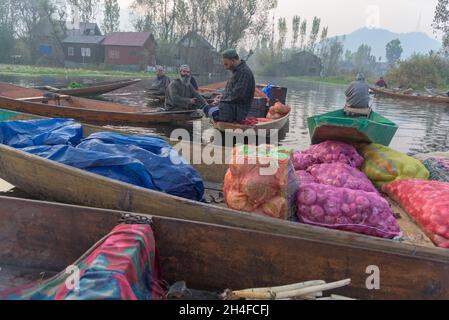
pixel 193 101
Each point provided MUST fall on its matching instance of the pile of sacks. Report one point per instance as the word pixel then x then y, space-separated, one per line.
pixel 278 111
pixel 333 193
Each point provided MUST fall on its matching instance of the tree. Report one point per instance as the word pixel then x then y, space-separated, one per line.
pixel 332 54
pixel 282 29
pixel 394 51
pixel 314 33
pixel 441 21
pixel 303 33
pixel 87 9
pixel 296 22
pixel 364 60
pixel 111 20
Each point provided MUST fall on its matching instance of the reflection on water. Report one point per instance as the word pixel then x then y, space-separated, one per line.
pixel 423 127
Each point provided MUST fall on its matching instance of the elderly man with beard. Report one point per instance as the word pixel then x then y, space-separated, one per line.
pixel 181 95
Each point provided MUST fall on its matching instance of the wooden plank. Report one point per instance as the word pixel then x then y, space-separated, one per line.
pixel 412 232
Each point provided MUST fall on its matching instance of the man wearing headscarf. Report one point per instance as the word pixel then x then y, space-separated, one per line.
pixel 236 101
pixel 180 93
pixel 160 84
pixel 357 95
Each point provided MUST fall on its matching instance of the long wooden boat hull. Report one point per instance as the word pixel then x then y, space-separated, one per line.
pixel 224 256
pixel 310 253
pixel 97 88
pixel 388 93
pixel 336 126
pixel 19 99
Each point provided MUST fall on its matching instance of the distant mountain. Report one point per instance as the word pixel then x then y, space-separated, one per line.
pixel 377 39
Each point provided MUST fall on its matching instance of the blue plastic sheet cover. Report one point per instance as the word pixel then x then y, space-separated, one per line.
pixel 117 167
pixel 20 134
pixel 169 171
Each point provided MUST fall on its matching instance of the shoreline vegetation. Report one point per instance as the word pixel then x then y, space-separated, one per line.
pixel 36 71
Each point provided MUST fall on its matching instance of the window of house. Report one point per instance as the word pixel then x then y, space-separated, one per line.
pixel 85 52
pixel 114 54
pixel 71 51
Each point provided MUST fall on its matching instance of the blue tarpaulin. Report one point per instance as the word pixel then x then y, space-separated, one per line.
pixel 145 161
pixel 169 171
pixel 21 134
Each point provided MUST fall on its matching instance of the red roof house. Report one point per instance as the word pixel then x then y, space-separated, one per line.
pixel 131 49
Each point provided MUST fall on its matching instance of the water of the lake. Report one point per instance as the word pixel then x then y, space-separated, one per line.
pixel 423 127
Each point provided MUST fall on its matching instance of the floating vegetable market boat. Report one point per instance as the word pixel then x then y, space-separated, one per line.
pixel 336 126
pixel 401 95
pixel 57 235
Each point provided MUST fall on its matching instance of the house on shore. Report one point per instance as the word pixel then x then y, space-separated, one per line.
pixel 199 54
pixel 130 50
pixel 47 36
pixel 83 50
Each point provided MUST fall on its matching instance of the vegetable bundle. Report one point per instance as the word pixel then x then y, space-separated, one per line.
pixel 346 209
pixel 383 165
pixel 278 111
pixel 428 203
pixel 327 152
pixel 261 180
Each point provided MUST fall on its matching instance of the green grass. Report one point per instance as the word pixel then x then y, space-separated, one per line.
pixel 33 71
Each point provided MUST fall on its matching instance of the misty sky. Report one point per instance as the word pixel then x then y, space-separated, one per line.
pixel 345 16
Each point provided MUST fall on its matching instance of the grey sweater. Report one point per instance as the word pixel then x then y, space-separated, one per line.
pixel 357 95
pixel 178 97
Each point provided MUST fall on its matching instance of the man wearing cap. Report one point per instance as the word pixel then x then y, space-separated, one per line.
pixel 357 96
pixel 160 84
pixel 180 93
pixel 234 104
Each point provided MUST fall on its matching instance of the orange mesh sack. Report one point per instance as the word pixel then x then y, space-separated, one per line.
pixel 262 180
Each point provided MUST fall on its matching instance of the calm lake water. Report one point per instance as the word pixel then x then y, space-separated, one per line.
pixel 423 127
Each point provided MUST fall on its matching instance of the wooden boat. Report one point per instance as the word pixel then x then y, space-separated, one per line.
pixel 94 89
pixel 336 126
pixel 322 253
pixel 400 95
pixel 267 126
pixel 33 101
pixel 57 235
pixel 265 252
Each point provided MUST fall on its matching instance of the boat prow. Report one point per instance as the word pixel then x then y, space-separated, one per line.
pixel 336 126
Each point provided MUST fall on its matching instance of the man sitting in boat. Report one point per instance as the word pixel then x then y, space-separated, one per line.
pixel 381 83
pixel 357 97
pixel 236 101
pixel 181 95
pixel 160 84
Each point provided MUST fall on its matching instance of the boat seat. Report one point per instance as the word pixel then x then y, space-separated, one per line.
pixel 358 111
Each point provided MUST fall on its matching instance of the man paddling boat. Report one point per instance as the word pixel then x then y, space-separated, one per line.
pixel 236 101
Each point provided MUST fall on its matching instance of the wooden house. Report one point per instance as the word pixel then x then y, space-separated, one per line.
pixel 130 50
pixel 199 54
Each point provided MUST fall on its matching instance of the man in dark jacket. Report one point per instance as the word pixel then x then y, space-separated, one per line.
pixel 234 104
pixel 160 84
pixel 181 95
